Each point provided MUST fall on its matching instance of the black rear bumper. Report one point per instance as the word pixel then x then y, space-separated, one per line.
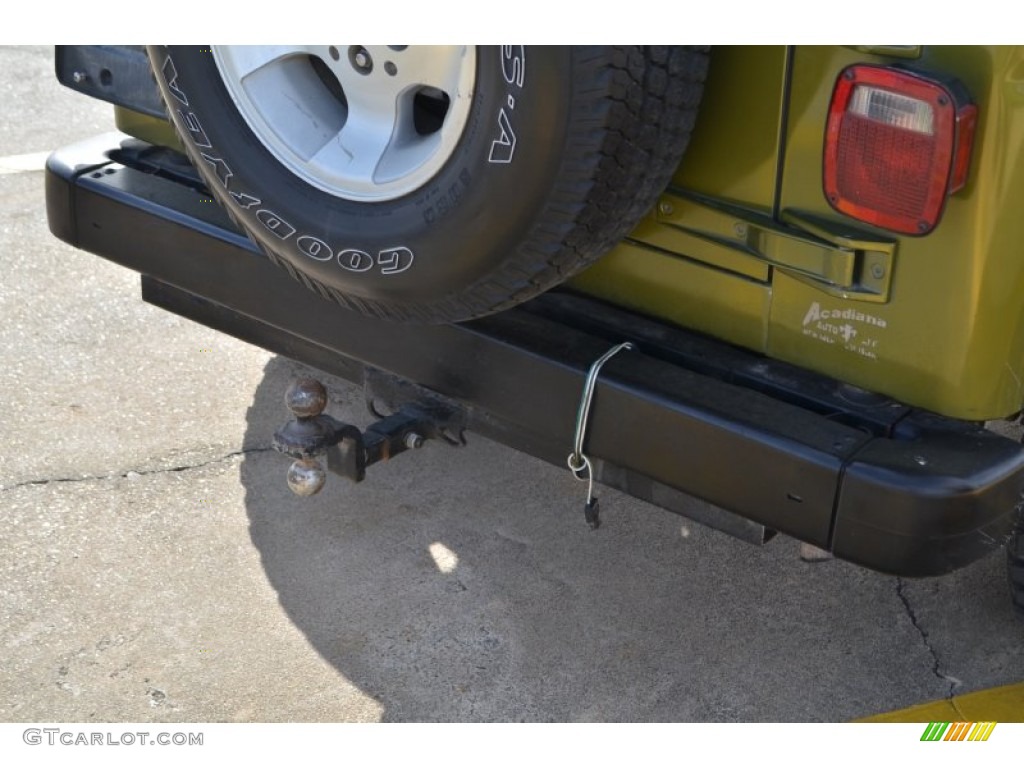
pixel 873 481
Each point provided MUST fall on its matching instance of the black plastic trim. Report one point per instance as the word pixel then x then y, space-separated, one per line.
pixel 683 414
pixel 118 74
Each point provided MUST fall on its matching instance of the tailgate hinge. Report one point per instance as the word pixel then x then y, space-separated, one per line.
pixel 834 257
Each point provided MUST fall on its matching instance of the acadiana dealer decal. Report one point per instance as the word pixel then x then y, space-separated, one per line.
pixel 850 329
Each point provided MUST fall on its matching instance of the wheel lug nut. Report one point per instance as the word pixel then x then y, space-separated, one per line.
pixel 360 58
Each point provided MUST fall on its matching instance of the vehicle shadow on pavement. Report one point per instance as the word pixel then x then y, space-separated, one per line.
pixel 463 585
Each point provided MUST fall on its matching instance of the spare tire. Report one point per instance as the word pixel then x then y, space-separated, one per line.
pixel 434 183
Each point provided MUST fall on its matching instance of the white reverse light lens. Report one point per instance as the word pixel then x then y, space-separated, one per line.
pixel 892 109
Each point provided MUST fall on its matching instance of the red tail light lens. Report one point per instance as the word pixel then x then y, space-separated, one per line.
pixel 897 144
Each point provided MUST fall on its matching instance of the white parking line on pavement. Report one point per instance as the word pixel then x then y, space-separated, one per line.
pixel 32 161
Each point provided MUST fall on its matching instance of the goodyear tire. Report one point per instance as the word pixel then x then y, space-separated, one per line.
pixel 433 184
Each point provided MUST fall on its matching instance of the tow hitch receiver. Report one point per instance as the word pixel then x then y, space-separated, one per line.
pixel 313 434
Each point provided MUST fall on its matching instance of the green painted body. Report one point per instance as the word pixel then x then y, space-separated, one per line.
pixel 745 247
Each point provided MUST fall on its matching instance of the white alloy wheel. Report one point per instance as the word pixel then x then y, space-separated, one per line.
pixel 364 123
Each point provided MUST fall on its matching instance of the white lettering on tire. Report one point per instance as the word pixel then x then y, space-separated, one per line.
pixel 394 260
pixel 355 260
pixel 170 74
pixel 315 248
pixel 513 64
pixel 275 223
pixel 245 201
pixel 513 70
pixel 220 168
pixel 503 147
pixel 195 129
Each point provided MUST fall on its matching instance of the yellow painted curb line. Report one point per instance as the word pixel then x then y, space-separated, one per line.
pixel 1004 705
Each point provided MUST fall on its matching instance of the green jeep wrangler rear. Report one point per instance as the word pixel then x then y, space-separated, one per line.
pixel 786 280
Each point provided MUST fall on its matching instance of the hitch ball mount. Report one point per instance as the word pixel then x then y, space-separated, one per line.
pixel 312 435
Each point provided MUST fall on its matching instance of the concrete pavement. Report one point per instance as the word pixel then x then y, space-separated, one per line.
pixel 156 568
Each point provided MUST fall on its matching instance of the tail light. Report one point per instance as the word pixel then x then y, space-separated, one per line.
pixel 897 145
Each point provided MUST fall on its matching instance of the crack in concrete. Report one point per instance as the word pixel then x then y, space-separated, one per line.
pixel 936 666
pixel 136 472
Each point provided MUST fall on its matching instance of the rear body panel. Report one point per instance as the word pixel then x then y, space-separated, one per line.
pixel 935 321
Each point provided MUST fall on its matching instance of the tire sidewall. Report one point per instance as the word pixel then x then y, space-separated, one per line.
pixel 435 241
